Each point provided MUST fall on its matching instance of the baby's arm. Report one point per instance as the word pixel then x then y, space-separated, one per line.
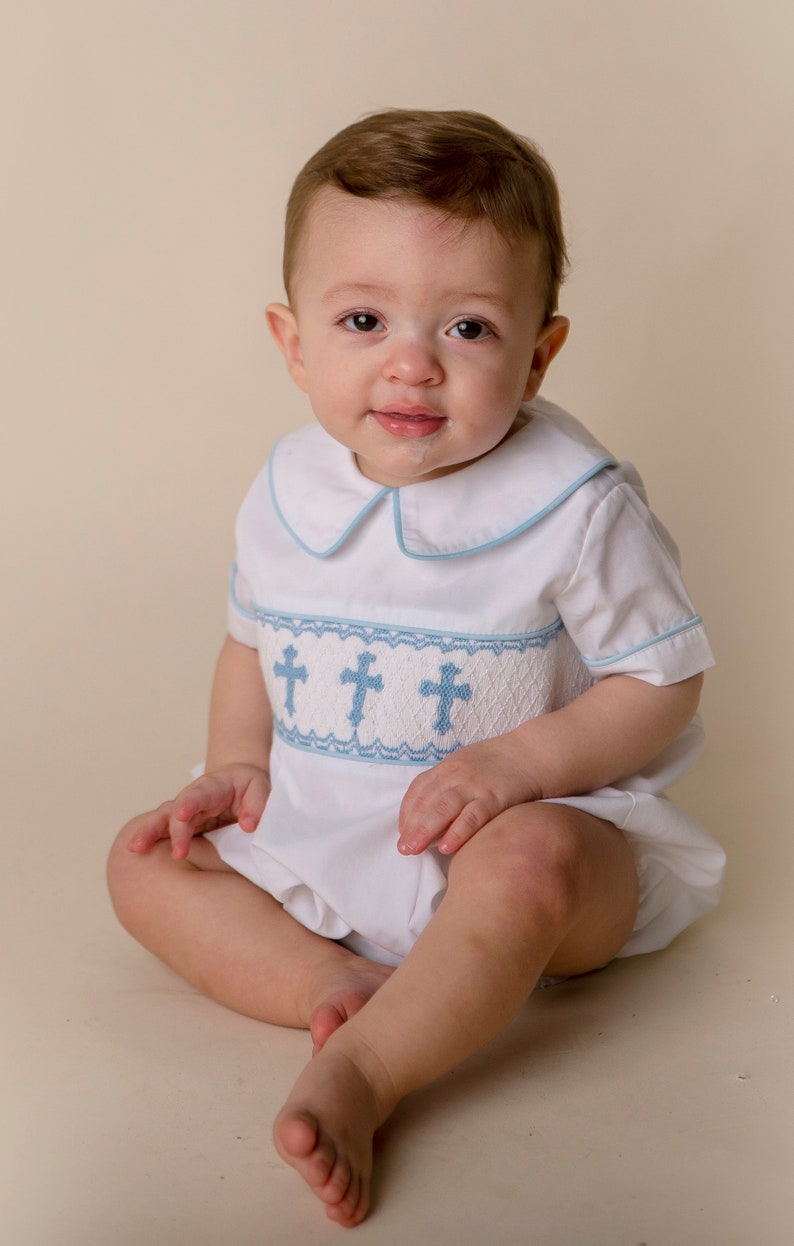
pixel 611 731
pixel 236 783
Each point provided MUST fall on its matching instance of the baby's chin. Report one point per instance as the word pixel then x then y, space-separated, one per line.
pixel 413 474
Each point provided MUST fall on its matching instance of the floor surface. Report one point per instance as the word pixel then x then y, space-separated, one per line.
pixel 651 1103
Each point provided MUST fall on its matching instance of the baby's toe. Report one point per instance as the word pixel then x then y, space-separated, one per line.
pixel 335 1190
pixel 325 1020
pixel 353 1207
pixel 299 1141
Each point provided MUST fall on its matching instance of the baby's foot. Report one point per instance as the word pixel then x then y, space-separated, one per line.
pixel 325 1132
pixel 342 994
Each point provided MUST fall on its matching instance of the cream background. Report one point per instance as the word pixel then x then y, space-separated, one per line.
pixel 148 150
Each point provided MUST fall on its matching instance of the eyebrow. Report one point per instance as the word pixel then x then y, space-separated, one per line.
pixel 496 300
pixel 356 289
pixel 351 288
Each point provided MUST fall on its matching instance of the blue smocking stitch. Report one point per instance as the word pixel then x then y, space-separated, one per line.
pixel 447 691
pixel 353 750
pixel 394 637
pixel 293 674
pixel 363 682
pixel 417 637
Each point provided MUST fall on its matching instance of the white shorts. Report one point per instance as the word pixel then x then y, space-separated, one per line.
pixel 335 867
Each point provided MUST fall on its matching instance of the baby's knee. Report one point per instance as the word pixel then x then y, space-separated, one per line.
pixel 119 873
pixel 127 875
pixel 532 856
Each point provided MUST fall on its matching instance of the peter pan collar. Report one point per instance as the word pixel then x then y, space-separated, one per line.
pixel 321 497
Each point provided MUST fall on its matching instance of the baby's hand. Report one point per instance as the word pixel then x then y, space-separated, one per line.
pixel 236 793
pixel 465 791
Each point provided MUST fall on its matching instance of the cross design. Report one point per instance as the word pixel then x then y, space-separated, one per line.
pixel 363 682
pixel 293 674
pixel 447 691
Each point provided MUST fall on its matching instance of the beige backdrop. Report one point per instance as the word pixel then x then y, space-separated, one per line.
pixel 149 149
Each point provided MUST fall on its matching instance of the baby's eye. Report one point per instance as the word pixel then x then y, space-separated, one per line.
pixel 470 330
pixel 362 322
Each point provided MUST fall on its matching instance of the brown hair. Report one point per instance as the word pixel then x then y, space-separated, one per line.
pixel 463 163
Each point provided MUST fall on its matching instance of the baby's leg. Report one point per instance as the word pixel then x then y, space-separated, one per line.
pixel 234 941
pixel 541 888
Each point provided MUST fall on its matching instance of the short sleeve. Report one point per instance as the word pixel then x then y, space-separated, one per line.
pixel 625 606
pixel 241 619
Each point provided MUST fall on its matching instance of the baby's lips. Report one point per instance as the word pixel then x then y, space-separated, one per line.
pixel 413 426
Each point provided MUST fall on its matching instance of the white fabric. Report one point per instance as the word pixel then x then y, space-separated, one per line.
pixel 395 626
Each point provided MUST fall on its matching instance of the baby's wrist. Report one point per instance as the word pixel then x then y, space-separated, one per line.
pixel 541 765
pixel 224 767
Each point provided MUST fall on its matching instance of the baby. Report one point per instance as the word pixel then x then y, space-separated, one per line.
pixel 461 666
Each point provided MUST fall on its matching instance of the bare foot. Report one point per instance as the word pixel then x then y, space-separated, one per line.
pixel 342 994
pixel 325 1129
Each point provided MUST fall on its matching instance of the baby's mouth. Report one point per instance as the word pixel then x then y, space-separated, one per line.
pixel 413 422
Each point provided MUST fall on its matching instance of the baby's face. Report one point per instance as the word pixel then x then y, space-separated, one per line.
pixel 415 337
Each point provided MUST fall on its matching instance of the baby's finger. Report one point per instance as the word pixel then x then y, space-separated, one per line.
pixel 474 816
pixel 190 812
pixel 208 797
pixel 148 829
pixel 252 805
pixel 425 816
pixel 181 834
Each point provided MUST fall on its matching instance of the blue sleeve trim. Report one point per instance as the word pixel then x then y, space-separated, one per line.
pixel 618 657
pixel 247 614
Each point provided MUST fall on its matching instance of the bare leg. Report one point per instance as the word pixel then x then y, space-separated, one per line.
pixel 542 888
pixel 234 941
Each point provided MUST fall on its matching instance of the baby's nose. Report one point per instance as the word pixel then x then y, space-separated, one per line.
pixel 412 361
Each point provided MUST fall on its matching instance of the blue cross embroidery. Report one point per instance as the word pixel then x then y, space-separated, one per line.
pixel 363 683
pixel 447 691
pixel 292 674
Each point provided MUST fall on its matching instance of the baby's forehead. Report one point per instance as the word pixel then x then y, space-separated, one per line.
pixel 343 223
pixel 337 210
pixel 333 207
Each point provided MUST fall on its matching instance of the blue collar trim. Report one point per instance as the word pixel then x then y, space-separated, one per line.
pixel 321 497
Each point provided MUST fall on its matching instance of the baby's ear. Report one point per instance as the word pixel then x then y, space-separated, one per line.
pixel 550 342
pixel 284 328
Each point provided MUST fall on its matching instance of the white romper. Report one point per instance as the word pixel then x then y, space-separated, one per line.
pixel 396 625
